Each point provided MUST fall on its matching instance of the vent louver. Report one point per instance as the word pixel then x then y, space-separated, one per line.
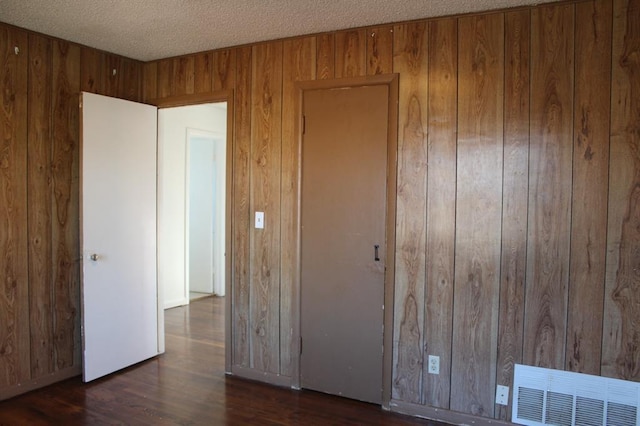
pixel 551 397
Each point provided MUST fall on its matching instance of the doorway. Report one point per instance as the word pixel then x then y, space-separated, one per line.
pixel 191 201
pixel 347 221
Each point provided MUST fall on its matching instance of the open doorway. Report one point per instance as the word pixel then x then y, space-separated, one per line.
pixel 191 201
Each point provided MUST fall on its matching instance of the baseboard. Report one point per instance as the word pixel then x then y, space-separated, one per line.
pixel 175 303
pixel 40 382
pixel 260 376
pixel 442 415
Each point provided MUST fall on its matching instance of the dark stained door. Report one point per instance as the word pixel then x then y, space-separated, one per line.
pixel 344 173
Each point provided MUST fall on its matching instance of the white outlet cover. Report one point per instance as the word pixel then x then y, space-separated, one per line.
pixel 502 395
pixel 434 364
pixel 259 220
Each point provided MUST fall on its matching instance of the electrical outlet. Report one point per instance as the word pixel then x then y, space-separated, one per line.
pixel 502 395
pixel 434 364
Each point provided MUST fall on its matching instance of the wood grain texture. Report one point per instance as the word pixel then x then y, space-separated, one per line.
pixel 515 184
pixel 549 185
pixel 223 69
pixel 65 213
pixel 131 87
pixel 411 60
pixel 165 78
pixel 590 186
pixel 187 385
pixel 298 65
pixel 149 81
pixel 112 78
pixel 351 50
pixel 478 213
pixel 14 274
pixel 266 120
pixel 91 70
pixel 40 200
pixel 441 206
pixel 183 75
pixel 203 78
pixel 379 50
pixel 241 213
pixel 621 339
pixel 325 56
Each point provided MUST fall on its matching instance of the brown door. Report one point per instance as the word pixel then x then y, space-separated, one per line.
pixel 344 167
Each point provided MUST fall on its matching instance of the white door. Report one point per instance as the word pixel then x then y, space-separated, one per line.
pixel 120 315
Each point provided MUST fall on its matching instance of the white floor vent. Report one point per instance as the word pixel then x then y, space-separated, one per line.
pixel 553 397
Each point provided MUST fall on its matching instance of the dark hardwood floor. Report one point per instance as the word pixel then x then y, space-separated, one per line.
pixel 187 386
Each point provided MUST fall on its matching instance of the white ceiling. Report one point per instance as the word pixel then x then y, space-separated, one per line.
pixel 153 29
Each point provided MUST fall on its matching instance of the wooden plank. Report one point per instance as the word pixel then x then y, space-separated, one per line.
pixel 379 50
pixel 203 77
pixel 40 200
pixel 14 274
pixel 549 186
pixel 621 337
pixel 478 213
pixel 590 186
pixel 325 56
pixel 183 75
pixel 131 87
pixel 351 51
pixel 150 81
pixel 91 70
pixel 265 197
pixel 514 199
pixel 65 251
pixel 441 206
pixel 165 78
pixel 411 61
pixel 223 69
pixel 112 79
pixel 241 213
pixel 299 64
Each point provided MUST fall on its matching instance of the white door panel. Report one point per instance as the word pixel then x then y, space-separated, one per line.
pixel 120 315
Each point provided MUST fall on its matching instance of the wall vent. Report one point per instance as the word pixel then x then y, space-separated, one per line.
pixel 542 396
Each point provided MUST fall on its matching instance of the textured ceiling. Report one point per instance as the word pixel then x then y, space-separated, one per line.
pixel 153 29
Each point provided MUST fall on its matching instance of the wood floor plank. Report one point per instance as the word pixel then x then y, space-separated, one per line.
pixel 187 386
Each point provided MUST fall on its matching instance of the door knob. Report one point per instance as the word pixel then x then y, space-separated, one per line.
pixel 94 257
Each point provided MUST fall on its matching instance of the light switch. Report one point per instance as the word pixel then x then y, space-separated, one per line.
pixel 259 220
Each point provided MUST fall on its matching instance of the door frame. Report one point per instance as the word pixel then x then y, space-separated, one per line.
pixel 390 80
pixel 205 98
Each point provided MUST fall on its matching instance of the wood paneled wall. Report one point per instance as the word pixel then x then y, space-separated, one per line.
pixel 517 192
pixel 518 206
pixel 40 80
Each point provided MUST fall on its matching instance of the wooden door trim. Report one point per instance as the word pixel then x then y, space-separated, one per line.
pixel 390 80
pixel 205 98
